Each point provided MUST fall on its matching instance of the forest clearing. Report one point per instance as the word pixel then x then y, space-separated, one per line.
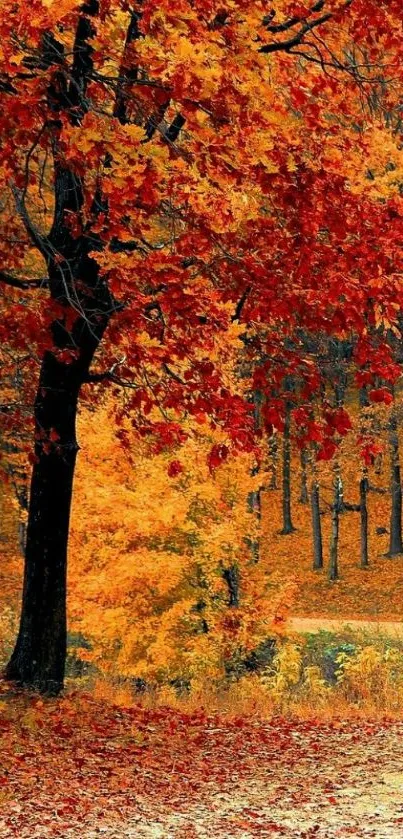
pixel 201 412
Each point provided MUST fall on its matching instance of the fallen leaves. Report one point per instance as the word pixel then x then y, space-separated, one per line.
pixel 81 768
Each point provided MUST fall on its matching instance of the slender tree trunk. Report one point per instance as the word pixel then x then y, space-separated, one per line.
pixel 363 400
pixel 316 527
pixel 334 535
pixel 288 526
pixel 273 453
pixel 255 506
pixel 231 577
pixel 395 543
pixel 39 654
pixel 304 495
pixel 364 521
pixel 255 497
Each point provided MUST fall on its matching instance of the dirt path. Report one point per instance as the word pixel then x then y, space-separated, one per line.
pixel 393 629
pixel 78 768
pixel 342 789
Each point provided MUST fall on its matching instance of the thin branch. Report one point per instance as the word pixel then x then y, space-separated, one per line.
pixel 353 508
pixel 173 375
pixel 377 490
pixel 241 303
pixel 276 28
pixel 110 376
pixel 298 38
pixel 40 241
pixel 23 285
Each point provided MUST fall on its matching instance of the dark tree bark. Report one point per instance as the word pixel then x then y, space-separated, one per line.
pixel 255 506
pixel 39 655
pixel 288 526
pixel 364 486
pixel 363 399
pixel 38 658
pixel 231 577
pixel 22 537
pixel 316 527
pixel 304 495
pixel 334 534
pixel 395 543
pixel 273 454
pixel 255 497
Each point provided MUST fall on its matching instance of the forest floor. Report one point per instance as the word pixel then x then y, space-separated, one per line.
pixel 81 769
pixel 371 594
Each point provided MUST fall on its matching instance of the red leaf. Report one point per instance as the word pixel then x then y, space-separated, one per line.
pixel 174 468
pixel 217 456
pixel 327 450
pixel 381 394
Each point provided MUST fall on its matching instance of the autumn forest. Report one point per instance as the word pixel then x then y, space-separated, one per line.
pixel 201 419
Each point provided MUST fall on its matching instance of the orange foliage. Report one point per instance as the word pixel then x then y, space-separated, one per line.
pixel 149 582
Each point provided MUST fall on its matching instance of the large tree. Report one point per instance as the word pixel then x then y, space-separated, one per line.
pixel 165 169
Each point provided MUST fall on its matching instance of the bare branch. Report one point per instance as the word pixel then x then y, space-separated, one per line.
pixel 276 28
pixel 173 375
pixel 24 285
pixel 241 302
pixel 40 241
pixel 298 38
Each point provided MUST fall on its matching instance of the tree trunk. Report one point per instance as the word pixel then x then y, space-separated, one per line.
pixel 288 526
pixel 273 453
pixel 39 655
pixel 334 536
pixel 316 527
pixel 363 399
pixel 304 497
pixel 231 577
pixel 254 497
pixel 255 506
pixel 87 306
pixel 364 521
pixel 395 543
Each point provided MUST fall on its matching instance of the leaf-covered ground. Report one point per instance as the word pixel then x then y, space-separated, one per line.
pixel 374 593
pixel 83 769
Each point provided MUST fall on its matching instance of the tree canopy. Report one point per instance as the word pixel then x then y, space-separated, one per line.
pixel 183 185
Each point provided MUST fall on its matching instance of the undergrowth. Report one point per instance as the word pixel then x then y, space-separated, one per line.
pixel 324 676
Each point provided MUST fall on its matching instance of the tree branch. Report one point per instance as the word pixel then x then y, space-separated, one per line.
pixel 275 28
pixel 378 490
pixel 173 375
pixel 41 242
pixel 241 302
pixel 298 38
pixel 353 508
pixel 23 285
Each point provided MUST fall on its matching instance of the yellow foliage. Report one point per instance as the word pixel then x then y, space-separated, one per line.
pixel 373 676
pixel 148 585
pixel 287 665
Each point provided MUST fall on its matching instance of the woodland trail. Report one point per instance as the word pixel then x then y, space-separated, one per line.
pixel 77 769
pixel 340 786
pixel 392 629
